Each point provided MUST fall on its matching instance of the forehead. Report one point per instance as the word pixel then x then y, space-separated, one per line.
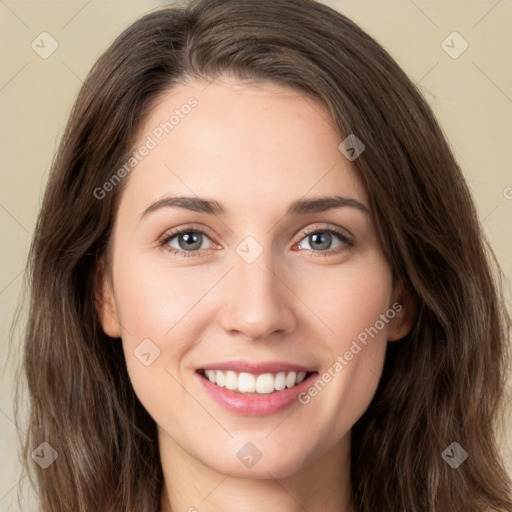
pixel 248 144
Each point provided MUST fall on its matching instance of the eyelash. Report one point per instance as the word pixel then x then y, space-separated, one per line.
pixel 167 237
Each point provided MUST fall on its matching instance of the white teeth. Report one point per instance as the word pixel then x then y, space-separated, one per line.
pixel 263 384
pixel 220 378
pixel 291 378
pixel 246 383
pixel 280 381
pixel 231 380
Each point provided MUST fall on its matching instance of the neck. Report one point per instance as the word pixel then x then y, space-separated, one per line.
pixel 320 485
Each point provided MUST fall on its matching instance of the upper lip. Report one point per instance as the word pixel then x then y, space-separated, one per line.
pixel 257 368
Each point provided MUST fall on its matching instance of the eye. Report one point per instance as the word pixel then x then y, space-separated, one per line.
pixel 188 240
pixel 321 239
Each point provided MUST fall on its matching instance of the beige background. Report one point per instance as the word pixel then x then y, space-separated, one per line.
pixel 471 96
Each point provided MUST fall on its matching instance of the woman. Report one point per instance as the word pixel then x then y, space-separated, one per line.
pixel 190 346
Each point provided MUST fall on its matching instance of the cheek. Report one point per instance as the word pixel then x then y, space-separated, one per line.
pixel 156 301
pixel 348 299
pixel 162 315
pixel 350 304
pixel 156 343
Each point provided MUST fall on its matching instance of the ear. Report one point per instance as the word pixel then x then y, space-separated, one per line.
pixel 405 309
pixel 105 303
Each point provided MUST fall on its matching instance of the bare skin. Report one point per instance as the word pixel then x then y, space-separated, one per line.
pixel 254 148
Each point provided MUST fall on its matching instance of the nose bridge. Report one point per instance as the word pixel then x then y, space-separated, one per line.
pixel 257 300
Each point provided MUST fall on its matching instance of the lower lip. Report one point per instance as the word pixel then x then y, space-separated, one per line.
pixel 254 404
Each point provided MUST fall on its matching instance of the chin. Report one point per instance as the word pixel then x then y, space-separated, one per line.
pixel 259 460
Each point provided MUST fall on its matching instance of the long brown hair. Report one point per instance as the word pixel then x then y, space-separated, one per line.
pixel 443 383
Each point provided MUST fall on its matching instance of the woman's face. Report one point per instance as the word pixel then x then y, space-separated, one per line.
pixel 257 294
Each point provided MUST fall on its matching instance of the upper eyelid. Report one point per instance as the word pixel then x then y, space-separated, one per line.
pixel 308 230
pixel 171 233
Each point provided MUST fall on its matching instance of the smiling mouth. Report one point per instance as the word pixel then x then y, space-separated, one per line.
pixel 261 384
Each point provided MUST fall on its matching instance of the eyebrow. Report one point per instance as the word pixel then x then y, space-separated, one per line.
pixel 301 206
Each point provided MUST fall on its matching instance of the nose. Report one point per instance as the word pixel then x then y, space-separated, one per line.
pixel 258 300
